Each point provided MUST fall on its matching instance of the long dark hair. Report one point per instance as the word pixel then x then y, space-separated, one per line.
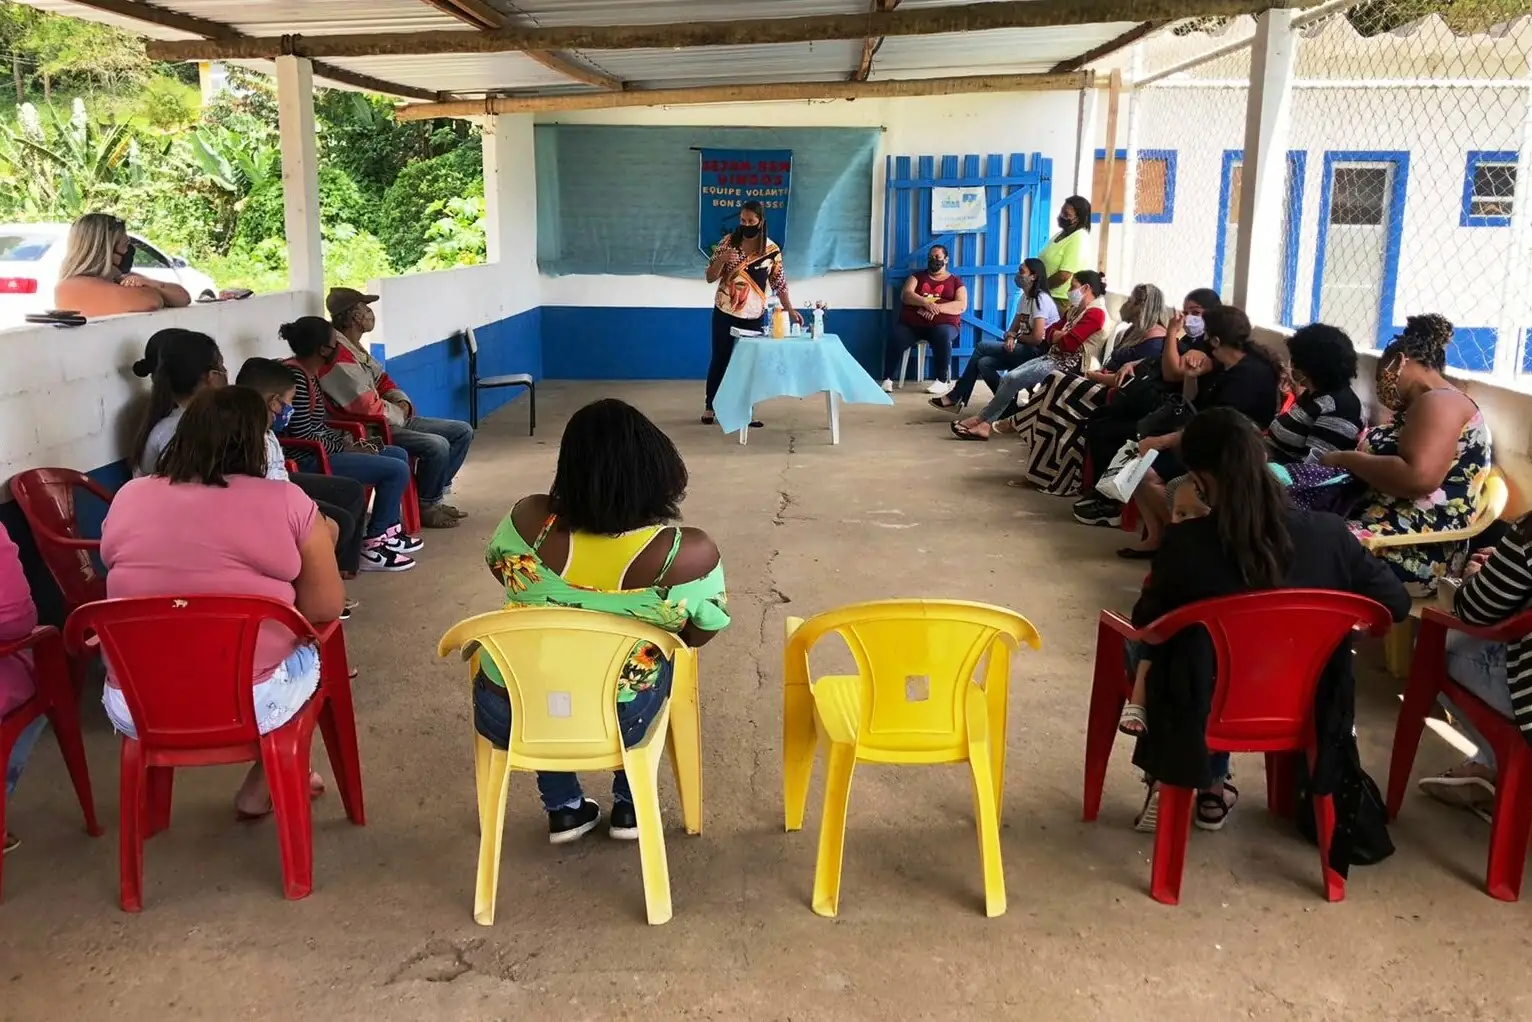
pixel 1039 273
pixel 222 434
pixel 1250 506
pixel 1232 327
pixel 617 471
pixel 737 237
pixel 1081 205
pixel 177 360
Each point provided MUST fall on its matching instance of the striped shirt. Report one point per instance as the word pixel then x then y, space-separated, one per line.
pixel 308 421
pixel 1317 424
pixel 1497 592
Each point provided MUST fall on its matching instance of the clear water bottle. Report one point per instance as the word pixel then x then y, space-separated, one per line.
pixel 772 304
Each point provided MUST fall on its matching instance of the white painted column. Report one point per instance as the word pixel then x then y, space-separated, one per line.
pixel 1515 304
pixel 1258 250
pixel 500 139
pixel 300 173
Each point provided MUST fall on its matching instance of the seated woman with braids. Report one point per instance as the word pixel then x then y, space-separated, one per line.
pixel 1239 374
pixel 1425 470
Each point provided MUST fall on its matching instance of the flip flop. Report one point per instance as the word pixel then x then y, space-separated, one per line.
pixel 12 842
pixel 756 424
pixel 316 792
pixel 943 405
pixel 962 432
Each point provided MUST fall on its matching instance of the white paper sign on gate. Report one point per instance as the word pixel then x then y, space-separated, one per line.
pixel 958 209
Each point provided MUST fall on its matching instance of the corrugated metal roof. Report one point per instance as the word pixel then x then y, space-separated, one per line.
pixel 996 52
pixel 1002 51
pixel 553 13
pixel 459 72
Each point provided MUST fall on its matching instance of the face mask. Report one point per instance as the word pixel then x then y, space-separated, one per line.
pixel 125 264
pixel 1024 282
pixel 1388 389
pixel 285 416
pixel 1065 223
pixel 1077 296
pixel 936 264
pixel 1194 326
pixel 752 231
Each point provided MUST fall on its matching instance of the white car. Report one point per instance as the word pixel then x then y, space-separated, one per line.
pixel 30 255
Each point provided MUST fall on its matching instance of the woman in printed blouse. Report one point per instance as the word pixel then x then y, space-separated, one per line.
pixel 601 539
pixel 747 267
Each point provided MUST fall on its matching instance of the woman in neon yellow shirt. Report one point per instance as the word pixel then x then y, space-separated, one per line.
pixel 1065 255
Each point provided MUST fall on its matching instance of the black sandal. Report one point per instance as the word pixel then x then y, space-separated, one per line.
pixel 708 419
pixel 1213 808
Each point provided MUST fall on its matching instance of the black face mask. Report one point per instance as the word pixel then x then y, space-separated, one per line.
pixel 936 264
pixel 125 264
pixel 752 231
pixel 1065 223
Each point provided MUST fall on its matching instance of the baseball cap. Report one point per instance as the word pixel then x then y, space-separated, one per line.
pixel 341 299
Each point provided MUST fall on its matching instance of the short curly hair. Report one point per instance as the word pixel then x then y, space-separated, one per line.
pixel 1325 355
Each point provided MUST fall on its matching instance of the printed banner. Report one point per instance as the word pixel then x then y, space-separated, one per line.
pixel 729 177
pixel 958 210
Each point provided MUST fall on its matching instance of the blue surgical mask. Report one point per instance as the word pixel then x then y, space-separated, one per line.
pixel 285 416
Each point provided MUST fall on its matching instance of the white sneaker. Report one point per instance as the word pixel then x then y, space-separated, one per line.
pixel 938 388
pixel 888 386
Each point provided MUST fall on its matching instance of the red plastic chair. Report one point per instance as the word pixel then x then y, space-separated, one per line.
pixel 1511 824
pixel 357 426
pixel 46 497
pixel 409 504
pixel 55 699
pixel 186 668
pixel 1271 648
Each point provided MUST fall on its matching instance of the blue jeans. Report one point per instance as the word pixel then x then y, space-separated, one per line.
pixel 1479 666
pixel 492 719
pixel 441 445
pixel 1023 377
pixel 989 360
pixel 20 751
pixel 940 336
pixel 387 473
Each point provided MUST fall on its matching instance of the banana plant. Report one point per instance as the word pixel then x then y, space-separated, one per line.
pixel 64 166
pixel 234 163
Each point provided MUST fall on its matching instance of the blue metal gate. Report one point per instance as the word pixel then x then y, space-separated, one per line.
pixel 1018 192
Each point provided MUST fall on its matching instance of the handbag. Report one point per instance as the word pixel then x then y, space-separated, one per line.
pixel 1126 471
pixel 1172 413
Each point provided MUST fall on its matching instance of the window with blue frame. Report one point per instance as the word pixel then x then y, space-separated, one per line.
pixel 1489 188
pixel 1154 195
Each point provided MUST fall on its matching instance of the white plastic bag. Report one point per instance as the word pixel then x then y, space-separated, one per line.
pixel 1126 471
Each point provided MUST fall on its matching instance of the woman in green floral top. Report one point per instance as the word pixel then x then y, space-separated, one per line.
pixel 600 539
pixel 1425 470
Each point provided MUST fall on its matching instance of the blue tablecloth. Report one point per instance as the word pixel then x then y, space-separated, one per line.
pixel 763 368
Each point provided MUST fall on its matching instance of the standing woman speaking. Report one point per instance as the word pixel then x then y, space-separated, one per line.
pixel 747 267
pixel 1066 254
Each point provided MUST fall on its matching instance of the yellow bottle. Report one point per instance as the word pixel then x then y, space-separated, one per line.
pixel 779 324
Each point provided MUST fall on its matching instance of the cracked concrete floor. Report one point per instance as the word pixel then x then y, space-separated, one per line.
pixel 897 509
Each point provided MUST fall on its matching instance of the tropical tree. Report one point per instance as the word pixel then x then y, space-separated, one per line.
pixel 59 167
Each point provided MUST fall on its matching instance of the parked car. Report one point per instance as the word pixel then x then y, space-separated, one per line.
pixel 30 255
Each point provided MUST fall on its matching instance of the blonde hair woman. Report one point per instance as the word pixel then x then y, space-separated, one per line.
pixel 96 278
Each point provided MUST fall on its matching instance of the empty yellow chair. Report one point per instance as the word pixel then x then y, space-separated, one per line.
pixel 916 698
pixel 561 667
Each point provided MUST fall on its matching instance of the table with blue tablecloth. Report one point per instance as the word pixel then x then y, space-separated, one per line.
pixel 763 368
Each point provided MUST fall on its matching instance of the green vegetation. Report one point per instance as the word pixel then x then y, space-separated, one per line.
pixel 96 126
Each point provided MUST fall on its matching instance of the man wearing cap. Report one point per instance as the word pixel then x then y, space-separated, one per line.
pixel 357 383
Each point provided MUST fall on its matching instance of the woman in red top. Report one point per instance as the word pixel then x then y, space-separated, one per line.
pixel 1066 340
pixel 932 311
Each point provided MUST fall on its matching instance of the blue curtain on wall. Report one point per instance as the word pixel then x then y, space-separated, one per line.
pixel 623 200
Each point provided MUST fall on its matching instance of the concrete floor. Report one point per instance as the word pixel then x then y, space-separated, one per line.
pixel 897 509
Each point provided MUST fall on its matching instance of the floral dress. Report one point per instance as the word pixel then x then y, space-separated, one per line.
pixel 530 582
pixel 1453 506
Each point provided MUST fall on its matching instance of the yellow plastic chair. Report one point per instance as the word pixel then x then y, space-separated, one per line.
pixel 1494 495
pixel 560 668
pixel 914 699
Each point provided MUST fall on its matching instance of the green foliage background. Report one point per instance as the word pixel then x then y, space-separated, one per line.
pixel 96 126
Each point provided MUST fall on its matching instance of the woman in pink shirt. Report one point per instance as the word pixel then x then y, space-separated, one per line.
pixel 208 521
pixel 18 616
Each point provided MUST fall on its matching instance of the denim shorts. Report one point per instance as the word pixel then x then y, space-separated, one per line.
pixel 277 699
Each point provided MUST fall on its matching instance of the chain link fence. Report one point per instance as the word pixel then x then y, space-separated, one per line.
pixel 1409 166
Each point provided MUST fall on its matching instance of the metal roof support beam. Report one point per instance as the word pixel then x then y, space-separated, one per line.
pixel 165 18
pixel 870 45
pixel 743 94
pixel 1111 46
pixel 485 18
pixel 972 17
